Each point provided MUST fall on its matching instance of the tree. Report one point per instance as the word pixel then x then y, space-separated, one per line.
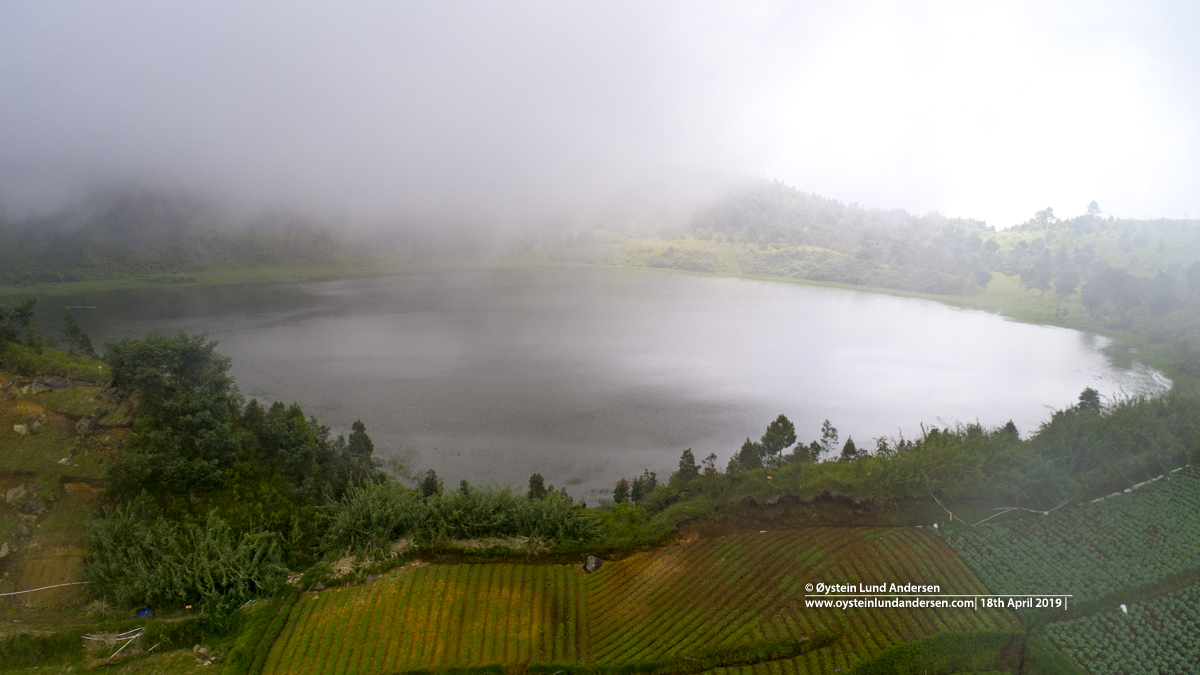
pixel 1045 217
pixel 537 487
pixel 829 438
pixel 850 452
pixel 643 485
pixel 710 464
pixel 464 488
pixel 16 322
pixel 1093 209
pixel 360 449
pixel 1193 276
pixel 430 485
pixel 1064 285
pixel 186 408
pixel 688 469
pixel 750 456
pixel 621 492
pixel 780 435
pixel 1038 275
pixel 1089 399
pixel 1010 430
pixel 77 340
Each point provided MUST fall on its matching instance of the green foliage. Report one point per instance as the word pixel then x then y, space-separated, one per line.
pixel 125 234
pixel 182 633
pixel 186 406
pixel 1091 551
pixel 77 340
pixel 249 652
pixel 1126 442
pixel 372 516
pixel 430 485
pixel 688 469
pixel 940 654
pixel 25 649
pixel 779 436
pixel 621 492
pixel 16 322
pixel 537 487
pixel 642 486
pixel 22 359
pixel 1161 636
pixel 138 556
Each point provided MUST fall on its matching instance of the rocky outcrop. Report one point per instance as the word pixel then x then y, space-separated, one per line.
pixel 592 564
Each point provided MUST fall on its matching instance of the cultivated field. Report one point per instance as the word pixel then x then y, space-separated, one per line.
pixel 1094 550
pixel 728 592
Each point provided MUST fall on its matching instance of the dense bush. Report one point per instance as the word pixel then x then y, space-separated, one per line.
pixel 137 556
pixel 373 515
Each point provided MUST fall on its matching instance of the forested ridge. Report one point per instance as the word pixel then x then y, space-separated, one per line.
pixel 123 234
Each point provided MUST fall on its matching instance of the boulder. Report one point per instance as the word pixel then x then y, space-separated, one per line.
pixel 35 425
pixel 100 412
pixel 83 426
pixel 319 587
pixel 58 383
pixel 5 549
pixel 371 578
pixel 17 496
pixel 21 429
pixel 592 564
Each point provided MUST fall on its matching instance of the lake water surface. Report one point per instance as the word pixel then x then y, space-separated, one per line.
pixel 589 374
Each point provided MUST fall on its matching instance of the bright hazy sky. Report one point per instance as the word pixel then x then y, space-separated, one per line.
pixel 508 112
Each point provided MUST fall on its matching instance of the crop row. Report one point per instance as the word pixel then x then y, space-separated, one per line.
pixel 437 616
pixel 1092 550
pixel 749 588
pixel 1160 636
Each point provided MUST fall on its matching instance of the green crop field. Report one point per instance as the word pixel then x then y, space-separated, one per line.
pixel 1160 636
pixel 431 616
pixel 1094 550
pixel 728 592
pixel 748 588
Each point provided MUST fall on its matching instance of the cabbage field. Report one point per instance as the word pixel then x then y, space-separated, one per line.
pixel 735 592
pixel 1093 550
pixel 1160 636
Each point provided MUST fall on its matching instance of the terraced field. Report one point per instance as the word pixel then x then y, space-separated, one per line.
pixel 728 592
pixel 431 616
pixel 748 588
pixel 1094 550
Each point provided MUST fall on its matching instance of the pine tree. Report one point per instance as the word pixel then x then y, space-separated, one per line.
pixel 537 486
pixel 688 469
pixel 431 486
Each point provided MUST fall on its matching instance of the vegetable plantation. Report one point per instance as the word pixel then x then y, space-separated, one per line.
pixel 431 616
pixel 731 592
pixel 1160 636
pixel 1094 550
pixel 749 588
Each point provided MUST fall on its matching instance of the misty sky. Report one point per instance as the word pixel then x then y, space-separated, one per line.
pixel 508 113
